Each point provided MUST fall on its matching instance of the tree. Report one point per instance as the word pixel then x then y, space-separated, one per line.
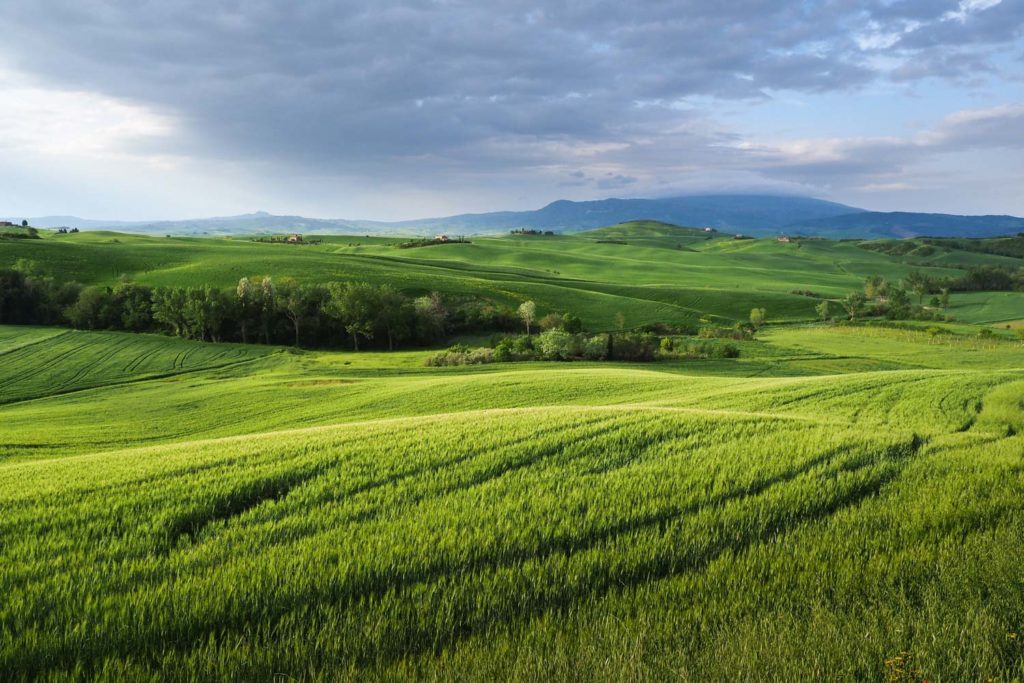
pixel 552 321
pixel 824 309
pixel 204 312
pixel 95 309
pixel 527 313
pixel 24 223
pixel 572 323
pixel 297 303
pixel 918 283
pixel 431 315
pixel 136 305
pixel 393 314
pixel 169 308
pixel 899 304
pixel 944 297
pixel 267 306
pixel 354 305
pixel 247 303
pixel 874 287
pixel 757 317
pixel 853 303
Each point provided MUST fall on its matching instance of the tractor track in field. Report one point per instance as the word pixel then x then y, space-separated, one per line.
pixel 33 342
pixel 126 381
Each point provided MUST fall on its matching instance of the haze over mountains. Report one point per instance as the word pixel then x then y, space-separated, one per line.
pixel 751 214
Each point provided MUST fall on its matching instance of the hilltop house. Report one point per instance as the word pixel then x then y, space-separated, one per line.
pixel 293 238
pixel 784 239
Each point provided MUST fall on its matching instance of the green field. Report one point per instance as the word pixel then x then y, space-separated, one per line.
pixel 661 274
pixel 841 502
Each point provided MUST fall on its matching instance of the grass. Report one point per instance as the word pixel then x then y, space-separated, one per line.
pixel 48 362
pixel 988 307
pixel 840 502
pixel 360 515
pixel 649 279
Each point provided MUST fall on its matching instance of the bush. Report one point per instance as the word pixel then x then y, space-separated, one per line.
pixel 697 350
pixel 460 354
pixel 595 348
pixel 557 344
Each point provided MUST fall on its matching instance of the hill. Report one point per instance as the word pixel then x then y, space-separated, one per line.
pixel 760 215
pixel 867 224
pixel 763 214
pixel 840 500
pixel 259 222
pixel 315 513
pixel 662 274
pixel 650 233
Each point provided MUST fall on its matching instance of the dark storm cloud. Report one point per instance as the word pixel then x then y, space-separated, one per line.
pixel 467 87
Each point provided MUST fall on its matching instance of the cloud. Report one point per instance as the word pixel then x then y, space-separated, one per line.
pixel 454 97
pixel 73 123
pixel 969 7
pixel 881 163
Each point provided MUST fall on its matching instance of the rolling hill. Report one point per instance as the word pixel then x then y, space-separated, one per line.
pixel 662 272
pixel 348 516
pixel 759 215
pixel 901 224
pixel 841 501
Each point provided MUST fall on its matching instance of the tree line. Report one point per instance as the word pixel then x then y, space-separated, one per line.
pixel 258 310
pixel 895 301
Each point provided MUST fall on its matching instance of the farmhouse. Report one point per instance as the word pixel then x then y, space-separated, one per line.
pixel 441 238
pixel 293 238
pixel 784 239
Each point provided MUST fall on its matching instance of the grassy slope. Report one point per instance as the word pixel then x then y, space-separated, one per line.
pixel 648 280
pixel 62 361
pixel 834 497
pixel 533 520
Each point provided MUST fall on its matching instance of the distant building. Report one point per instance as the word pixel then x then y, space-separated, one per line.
pixel 441 238
pixel 784 239
pixel 708 230
pixel 293 238
pixel 739 236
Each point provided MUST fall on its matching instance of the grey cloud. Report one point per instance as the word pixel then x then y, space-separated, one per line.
pixel 857 162
pixel 615 181
pixel 422 90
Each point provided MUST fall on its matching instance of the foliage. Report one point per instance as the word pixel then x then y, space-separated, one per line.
pixel 245 512
pixel 527 312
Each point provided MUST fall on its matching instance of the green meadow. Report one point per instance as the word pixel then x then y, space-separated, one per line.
pixel 659 274
pixel 840 502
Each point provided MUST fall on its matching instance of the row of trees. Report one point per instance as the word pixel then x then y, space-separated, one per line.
pixel 260 310
pixel 879 297
pixel 561 345
pixel 986 278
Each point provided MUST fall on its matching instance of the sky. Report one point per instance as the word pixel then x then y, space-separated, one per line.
pixel 170 109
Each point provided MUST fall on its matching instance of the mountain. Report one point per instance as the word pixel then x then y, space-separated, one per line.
pixel 758 214
pixel 867 224
pixel 751 214
pixel 250 223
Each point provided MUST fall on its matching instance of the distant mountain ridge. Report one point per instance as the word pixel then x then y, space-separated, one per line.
pixel 750 214
pixel 763 214
pixel 901 224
